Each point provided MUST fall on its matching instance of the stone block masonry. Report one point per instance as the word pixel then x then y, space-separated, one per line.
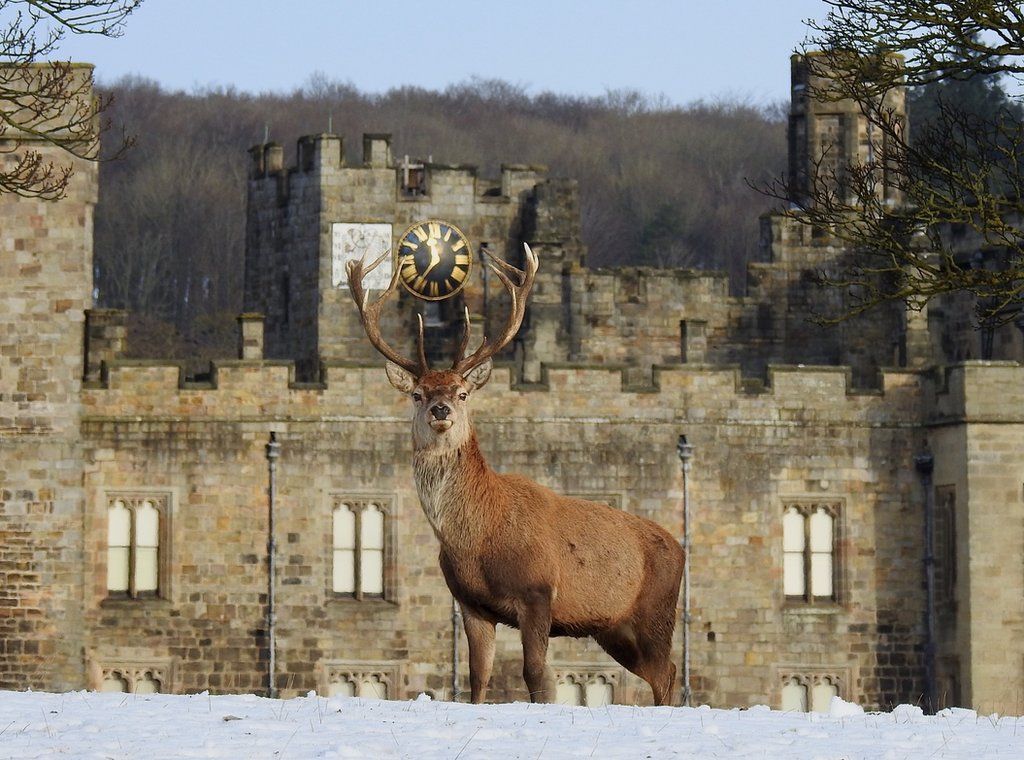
pixel 46 265
pixel 806 437
pixel 795 427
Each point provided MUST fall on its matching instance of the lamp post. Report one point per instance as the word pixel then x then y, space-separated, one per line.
pixel 685 451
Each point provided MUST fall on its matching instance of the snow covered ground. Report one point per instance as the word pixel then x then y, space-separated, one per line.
pixel 155 726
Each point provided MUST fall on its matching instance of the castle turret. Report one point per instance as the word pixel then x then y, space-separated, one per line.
pixel 305 223
pixel 551 224
pixel 284 271
pixel 828 133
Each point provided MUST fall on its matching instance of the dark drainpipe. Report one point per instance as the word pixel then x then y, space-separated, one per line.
pixel 273 452
pixel 925 465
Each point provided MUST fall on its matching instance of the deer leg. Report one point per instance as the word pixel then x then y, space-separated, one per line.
pixel 656 667
pixel 535 628
pixel 663 691
pixel 480 634
pixel 661 675
pixel 649 660
pixel 653 628
pixel 620 644
pixel 661 671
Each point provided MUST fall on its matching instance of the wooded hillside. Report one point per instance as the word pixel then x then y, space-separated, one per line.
pixel 660 185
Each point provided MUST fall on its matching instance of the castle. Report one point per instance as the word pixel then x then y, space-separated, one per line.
pixel 139 506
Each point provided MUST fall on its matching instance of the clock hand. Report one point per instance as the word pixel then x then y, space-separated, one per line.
pixel 435 257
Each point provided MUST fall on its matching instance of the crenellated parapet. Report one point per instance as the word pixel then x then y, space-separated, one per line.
pixel 253 388
pixel 977 392
pixel 414 180
pixel 301 219
pixel 644 316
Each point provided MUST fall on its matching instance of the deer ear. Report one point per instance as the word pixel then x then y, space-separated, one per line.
pixel 402 380
pixel 479 375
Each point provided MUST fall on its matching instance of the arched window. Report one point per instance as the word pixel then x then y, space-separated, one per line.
pixel 344 550
pixel 147 683
pixel 136 538
pixel 133 678
pixel 794 695
pixel 584 687
pixel 359 549
pixel 821 546
pixel 821 694
pixel 342 687
pixel 352 681
pixel 114 682
pixel 371 552
pixel 119 547
pixel 568 692
pixel 803 691
pixel 809 552
pixel 793 547
pixel 147 548
pixel 373 687
pixel 599 692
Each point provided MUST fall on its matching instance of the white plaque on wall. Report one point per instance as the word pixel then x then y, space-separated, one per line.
pixel 360 241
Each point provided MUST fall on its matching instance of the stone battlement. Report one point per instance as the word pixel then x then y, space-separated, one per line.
pixel 134 388
pixel 979 391
pixel 415 180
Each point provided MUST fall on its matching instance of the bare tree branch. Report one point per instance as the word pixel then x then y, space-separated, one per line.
pixel 50 103
pixel 957 179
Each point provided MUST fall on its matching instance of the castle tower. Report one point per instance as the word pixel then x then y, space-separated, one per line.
pixel 552 225
pixel 46 259
pixel 304 223
pixel 827 134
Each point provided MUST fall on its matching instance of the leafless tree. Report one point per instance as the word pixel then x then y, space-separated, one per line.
pixel 49 102
pixel 171 219
pixel 958 177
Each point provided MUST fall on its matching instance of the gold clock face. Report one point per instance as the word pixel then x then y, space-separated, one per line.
pixel 434 258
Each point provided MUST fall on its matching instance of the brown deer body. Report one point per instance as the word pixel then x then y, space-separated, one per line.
pixel 517 553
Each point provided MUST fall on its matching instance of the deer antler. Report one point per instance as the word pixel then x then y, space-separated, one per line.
pixel 369 313
pixel 518 293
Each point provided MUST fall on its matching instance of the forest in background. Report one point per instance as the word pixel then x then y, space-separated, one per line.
pixel 660 185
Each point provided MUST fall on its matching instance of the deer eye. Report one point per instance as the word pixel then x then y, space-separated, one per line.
pixel 417 397
pixel 463 397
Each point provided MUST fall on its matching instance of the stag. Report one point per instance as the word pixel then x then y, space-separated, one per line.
pixel 513 551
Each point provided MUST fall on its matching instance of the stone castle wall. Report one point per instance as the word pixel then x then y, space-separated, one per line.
pixel 611 366
pixel 977 433
pixel 602 431
pixel 805 438
pixel 46 265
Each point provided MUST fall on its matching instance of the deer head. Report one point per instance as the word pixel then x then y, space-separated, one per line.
pixel 440 397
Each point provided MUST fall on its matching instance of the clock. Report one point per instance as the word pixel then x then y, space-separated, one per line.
pixel 434 258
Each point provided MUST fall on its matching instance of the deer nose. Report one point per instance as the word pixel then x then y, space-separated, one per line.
pixel 440 411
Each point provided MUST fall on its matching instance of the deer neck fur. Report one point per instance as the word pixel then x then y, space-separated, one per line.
pixel 453 482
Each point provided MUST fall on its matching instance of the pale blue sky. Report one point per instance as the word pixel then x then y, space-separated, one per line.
pixel 686 50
